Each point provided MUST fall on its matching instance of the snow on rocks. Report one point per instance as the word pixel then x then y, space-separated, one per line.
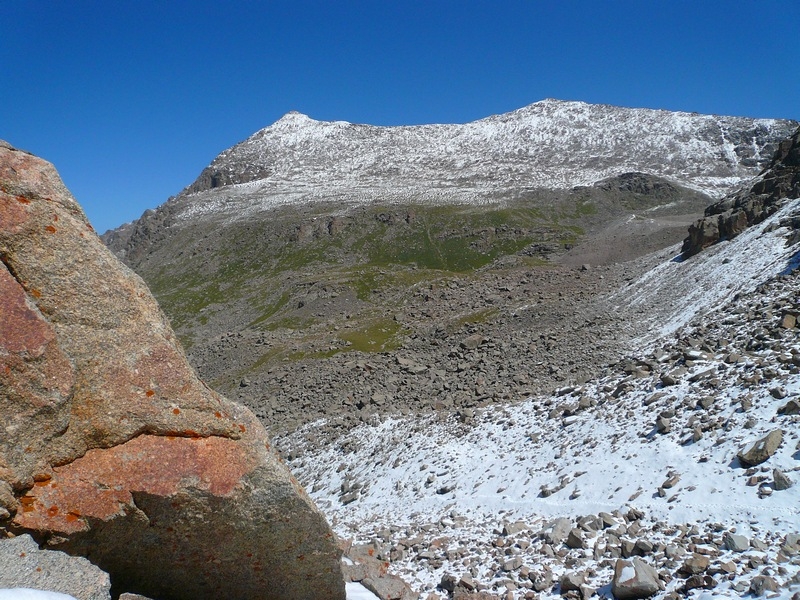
pixel 760 450
pixel 634 579
pixel 517 501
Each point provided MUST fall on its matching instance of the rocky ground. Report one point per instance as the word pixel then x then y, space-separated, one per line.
pixel 354 336
pixel 342 307
pixel 683 457
pixel 466 342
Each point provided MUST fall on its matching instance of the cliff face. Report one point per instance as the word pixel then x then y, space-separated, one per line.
pixel 753 203
pixel 112 448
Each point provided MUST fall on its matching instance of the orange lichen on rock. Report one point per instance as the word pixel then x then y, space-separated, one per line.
pixel 13 212
pixel 100 484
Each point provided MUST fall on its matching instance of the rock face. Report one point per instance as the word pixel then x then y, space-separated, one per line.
pixel 112 448
pixel 731 215
pixel 24 565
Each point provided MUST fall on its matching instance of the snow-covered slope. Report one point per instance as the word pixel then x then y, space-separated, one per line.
pixel 651 451
pixel 549 144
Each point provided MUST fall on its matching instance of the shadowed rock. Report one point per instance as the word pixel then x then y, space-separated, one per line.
pixel 112 447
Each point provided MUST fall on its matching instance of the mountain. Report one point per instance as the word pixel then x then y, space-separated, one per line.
pixel 551 144
pixel 311 248
pixel 729 217
pixel 511 387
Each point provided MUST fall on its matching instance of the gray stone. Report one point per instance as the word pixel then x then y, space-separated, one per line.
pixel 697 563
pixel 761 584
pixel 736 543
pixel 516 527
pixel 571 581
pixel 663 425
pixel 788 320
pixel 389 587
pixel 673 377
pixel 575 539
pixel 643 547
pixel 761 450
pixel 541 581
pixel 634 579
pixel 779 393
pixel 699 581
pixel 23 564
pixel 782 482
pixel 671 482
pixel 512 564
pixel 472 342
pixel 557 531
pixel 448 582
pixel 467 582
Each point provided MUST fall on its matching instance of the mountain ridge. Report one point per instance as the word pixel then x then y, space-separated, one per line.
pixel 505 143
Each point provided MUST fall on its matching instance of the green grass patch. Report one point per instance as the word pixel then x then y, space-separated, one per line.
pixel 382 335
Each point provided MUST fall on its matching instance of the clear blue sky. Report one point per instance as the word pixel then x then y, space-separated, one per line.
pixel 131 100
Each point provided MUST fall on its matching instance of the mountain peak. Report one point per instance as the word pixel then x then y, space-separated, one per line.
pixel 293 118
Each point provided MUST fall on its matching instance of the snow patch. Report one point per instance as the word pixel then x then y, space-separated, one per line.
pixel 31 594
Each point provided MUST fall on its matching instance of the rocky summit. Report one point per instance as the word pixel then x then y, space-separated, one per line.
pixel 111 447
pixel 754 203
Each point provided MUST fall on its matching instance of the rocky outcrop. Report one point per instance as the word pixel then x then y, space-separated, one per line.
pixel 733 214
pixel 112 448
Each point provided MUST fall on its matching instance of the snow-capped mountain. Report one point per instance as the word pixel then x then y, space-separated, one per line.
pixel 550 144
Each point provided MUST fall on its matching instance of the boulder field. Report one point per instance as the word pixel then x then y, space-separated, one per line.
pixel 111 448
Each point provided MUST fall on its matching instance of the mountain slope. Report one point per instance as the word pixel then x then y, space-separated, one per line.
pixel 312 244
pixel 648 460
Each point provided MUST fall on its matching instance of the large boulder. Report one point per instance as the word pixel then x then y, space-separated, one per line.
pixel 111 447
pixel 634 579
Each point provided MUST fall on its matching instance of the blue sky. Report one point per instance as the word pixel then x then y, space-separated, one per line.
pixel 131 100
